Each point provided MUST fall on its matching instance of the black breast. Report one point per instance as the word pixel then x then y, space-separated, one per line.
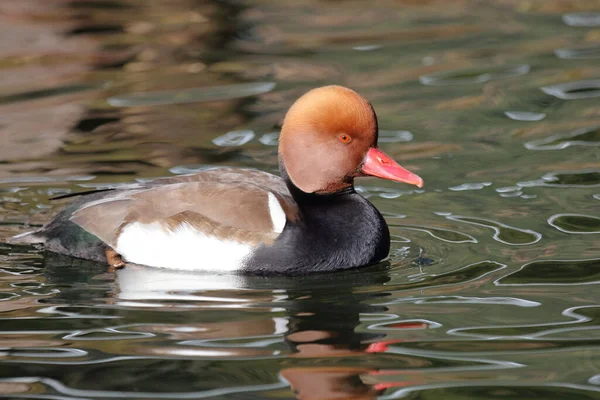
pixel 334 232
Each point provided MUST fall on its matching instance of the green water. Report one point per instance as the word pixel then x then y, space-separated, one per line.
pixel 491 290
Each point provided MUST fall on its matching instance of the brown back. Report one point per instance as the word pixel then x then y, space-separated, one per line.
pixel 231 201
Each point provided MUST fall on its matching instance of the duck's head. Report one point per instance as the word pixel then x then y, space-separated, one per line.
pixel 329 137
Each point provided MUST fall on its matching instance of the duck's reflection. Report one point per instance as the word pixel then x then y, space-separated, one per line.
pixel 318 331
pixel 325 355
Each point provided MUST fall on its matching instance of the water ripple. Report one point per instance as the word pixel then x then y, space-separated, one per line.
pixel 513 301
pixel 492 389
pixel 45 179
pixel 52 385
pixel 473 75
pixel 584 19
pixel 193 95
pixel 234 138
pixel 575 223
pixel 578 53
pixel 509 191
pixel 387 136
pixel 443 234
pixel 73 312
pixel 502 233
pixel 579 137
pixel 470 186
pixel 554 273
pixel 524 116
pixel 49 92
pixel 406 324
pixel 43 352
pixel 8 296
pixel 384 192
pixel 578 321
pixel 270 139
pixel 466 361
pixel 568 179
pixel 469 273
pixel 574 90
pixel 367 47
pixel 113 333
pixel 237 342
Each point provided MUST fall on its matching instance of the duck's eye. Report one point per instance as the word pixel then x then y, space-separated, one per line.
pixel 344 138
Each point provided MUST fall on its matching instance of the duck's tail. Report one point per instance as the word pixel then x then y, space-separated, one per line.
pixel 27 237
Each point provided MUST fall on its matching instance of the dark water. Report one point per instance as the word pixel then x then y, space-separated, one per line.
pixel 491 291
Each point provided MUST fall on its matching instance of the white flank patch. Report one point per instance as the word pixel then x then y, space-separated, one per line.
pixel 277 215
pixel 182 249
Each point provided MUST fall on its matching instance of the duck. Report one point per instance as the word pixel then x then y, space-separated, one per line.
pixel 310 219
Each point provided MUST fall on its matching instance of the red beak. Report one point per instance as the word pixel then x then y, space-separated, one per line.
pixel 379 164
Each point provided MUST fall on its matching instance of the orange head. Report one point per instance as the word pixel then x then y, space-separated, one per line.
pixel 329 137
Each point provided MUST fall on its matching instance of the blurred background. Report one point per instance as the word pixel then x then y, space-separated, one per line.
pixel 491 288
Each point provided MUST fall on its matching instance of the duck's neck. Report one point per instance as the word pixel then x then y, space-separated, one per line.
pixel 302 197
pixel 335 231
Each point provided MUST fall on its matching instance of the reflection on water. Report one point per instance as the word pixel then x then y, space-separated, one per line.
pixel 446 235
pixel 525 115
pixel 194 95
pixel 490 290
pixel 582 52
pixel 587 19
pixel 567 179
pixel 234 138
pixel 574 90
pixel 503 233
pixel 473 76
pixel 575 223
pixel 579 137
pixel 555 272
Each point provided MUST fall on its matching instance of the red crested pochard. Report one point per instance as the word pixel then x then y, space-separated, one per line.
pixel 248 221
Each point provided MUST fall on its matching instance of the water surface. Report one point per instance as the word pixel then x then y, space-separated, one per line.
pixel 491 290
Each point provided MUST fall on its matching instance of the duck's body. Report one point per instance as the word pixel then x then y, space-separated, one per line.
pixel 323 233
pixel 248 221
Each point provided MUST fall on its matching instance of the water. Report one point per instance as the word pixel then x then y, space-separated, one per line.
pixel 491 291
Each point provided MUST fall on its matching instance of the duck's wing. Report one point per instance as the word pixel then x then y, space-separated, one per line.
pixel 226 175
pixel 246 211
